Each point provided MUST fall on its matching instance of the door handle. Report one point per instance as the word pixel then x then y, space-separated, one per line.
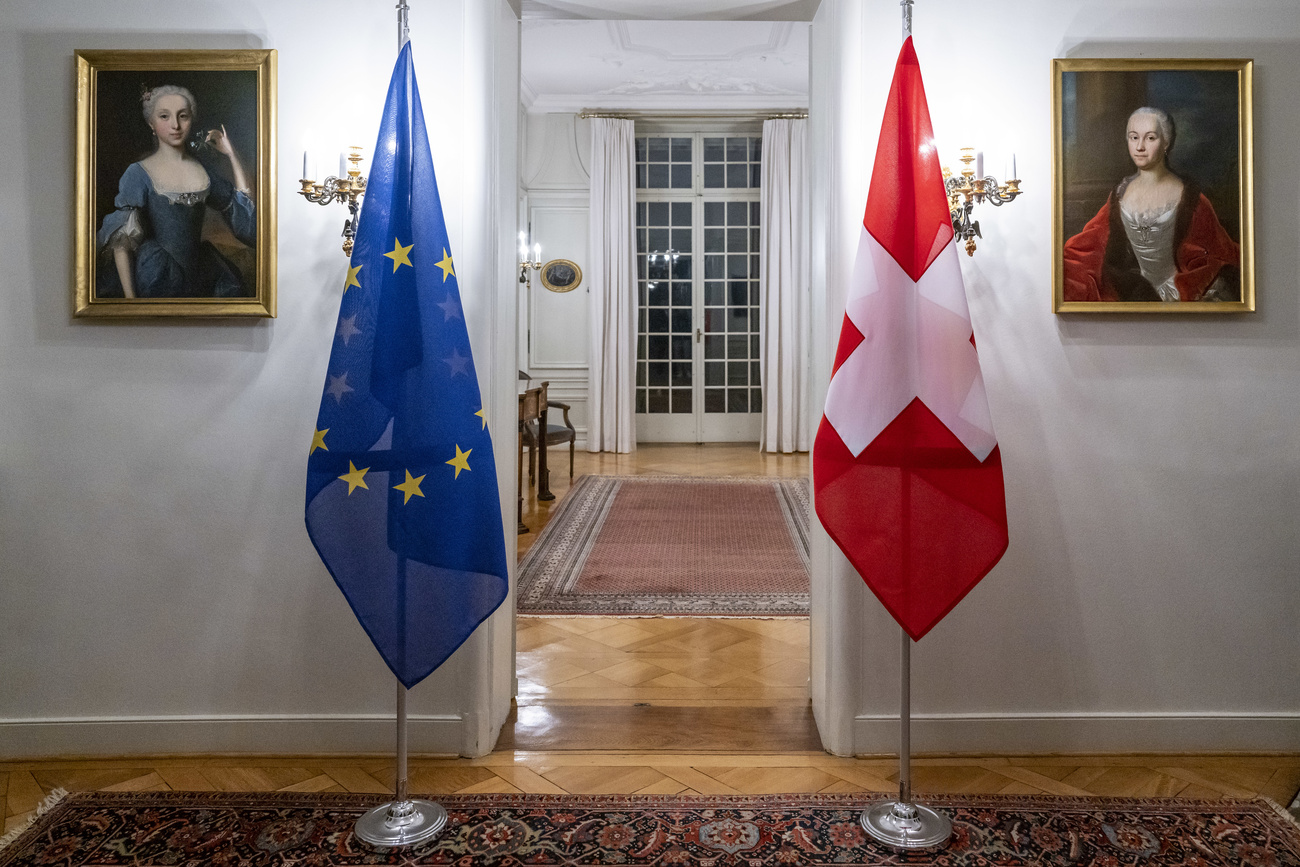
pixel 698 335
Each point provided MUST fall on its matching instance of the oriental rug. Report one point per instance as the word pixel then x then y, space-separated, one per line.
pixel 316 830
pixel 672 546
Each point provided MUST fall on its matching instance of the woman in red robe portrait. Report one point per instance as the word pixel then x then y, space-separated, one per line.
pixel 1157 238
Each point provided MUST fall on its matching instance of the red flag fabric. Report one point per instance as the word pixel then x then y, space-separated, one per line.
pixel 906 468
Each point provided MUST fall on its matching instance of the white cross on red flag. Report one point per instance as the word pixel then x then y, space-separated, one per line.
pixel 906 468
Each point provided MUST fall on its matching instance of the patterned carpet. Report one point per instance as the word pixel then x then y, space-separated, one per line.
pixel 315 830
pixel 672 545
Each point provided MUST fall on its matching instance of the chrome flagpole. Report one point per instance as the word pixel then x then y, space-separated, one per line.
pixel 902 823
pixel 402 821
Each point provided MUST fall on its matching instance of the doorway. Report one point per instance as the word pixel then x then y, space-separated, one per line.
pixel 697 90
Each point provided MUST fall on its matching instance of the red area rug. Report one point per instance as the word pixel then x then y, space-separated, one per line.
pixel 316 830
pixel 672 545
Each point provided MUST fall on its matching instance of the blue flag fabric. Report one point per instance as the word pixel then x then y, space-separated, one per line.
pixel 402 501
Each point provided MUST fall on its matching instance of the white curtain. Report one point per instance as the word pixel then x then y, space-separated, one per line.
pixel 612 280
pixel 783 282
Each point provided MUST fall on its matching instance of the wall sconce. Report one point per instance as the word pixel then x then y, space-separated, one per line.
pixel 525 264
pixel 346 190
pixel 971 188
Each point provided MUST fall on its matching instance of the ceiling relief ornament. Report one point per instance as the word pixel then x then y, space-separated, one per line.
pixel 659 65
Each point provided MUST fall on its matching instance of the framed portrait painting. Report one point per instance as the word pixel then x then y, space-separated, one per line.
pixel 1152 186
pixel 175 184
pixel 561 275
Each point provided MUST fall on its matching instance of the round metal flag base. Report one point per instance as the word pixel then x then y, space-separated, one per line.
pixel 401 823
pixel 906 826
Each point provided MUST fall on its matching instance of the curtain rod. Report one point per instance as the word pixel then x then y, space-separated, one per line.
pixel 649 115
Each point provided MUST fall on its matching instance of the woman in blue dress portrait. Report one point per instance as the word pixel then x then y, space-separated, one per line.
pixel 152 243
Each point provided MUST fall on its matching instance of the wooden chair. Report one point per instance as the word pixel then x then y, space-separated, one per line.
pixel 556 434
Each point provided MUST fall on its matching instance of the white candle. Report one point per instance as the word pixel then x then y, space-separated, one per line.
pixel 979 165
pixel 343 164
pixel 523 246
pixel 1014 176
pixel 537 253
pixel 305 176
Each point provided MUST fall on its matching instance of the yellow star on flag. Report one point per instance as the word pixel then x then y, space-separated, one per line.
pixel 356 478
pixel 482 413
pixel 318 441
pixel 410 487
pixel 400 255
pixel 352 278
pixel 460 462
pixel 445 265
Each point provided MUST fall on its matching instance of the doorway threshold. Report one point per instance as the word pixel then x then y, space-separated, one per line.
pixel 644 727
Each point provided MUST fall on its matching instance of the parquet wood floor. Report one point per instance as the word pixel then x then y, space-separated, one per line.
pixel 687 660
pixel 24 784
pixel 679 684
pixel 739 686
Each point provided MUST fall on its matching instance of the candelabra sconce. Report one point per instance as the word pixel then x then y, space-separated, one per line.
pixel 345 190
pixel 971 188
pixel 669 255
pixel 526 264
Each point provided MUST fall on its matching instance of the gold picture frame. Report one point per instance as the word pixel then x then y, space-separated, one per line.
pixel 1152 227
pixel 561 275
pixel 182 223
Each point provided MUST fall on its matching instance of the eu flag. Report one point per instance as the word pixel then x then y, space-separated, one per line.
pixel 402 500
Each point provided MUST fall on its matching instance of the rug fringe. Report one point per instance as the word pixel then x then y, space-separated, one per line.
pixel 1291 818
pixel 44 807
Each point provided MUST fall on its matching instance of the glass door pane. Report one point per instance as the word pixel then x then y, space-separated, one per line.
pixel 732 162
pixel 697 376
pixel 731 341
pixel 664 162
pixel 666 298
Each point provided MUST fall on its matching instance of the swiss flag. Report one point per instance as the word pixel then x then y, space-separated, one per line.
pixel 906 468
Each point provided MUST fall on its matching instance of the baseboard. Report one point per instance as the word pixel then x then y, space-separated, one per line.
pixel 255 734
pixel 444 735
pixel 1019 734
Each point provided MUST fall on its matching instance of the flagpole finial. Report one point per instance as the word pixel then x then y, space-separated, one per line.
pixel 907 18
pixel 403 26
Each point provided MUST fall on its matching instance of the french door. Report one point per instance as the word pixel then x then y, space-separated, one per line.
pixel 697 220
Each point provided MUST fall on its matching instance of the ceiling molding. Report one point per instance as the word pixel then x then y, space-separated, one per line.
pixel 670 102
pixel 778 35
pixel 701 65
pixel 527 96
pixel 698 84
pixel 671 10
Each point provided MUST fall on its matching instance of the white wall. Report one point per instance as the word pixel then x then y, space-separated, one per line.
pixel 556 183
pixel 1149 599
pixel 158 592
